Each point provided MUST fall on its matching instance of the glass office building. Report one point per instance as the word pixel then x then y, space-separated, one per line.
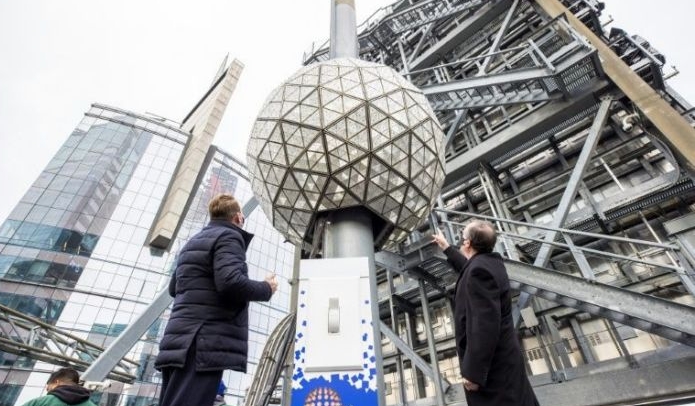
pixel 74 251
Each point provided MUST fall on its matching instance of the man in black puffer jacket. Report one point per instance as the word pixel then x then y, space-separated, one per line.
pixel 209 327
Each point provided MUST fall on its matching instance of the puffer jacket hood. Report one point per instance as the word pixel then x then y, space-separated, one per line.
pixel 71 394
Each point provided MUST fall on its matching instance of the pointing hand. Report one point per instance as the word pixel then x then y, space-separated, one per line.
pixel 440 240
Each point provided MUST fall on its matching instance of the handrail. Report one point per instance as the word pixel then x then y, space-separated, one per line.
pixel 578 252
pixel 561 230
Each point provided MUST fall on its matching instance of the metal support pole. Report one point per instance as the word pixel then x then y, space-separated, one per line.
pixel 344 42
pixel 498 38
pixel 350 235
pixel 394 326
pixel 294 299
pixel 448 229
pixel 584 347
pixel 127 339
pixel 622 348
pixel 439 391
pixel 568 196
pixel 558 347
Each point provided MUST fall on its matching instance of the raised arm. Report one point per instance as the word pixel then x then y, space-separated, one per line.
pixel 229 267
pixel 453 256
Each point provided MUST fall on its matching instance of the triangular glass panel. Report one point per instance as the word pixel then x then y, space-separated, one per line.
pixel 396 101
pixel 294 115
pixel 375 115
pixel 272 191
pixel 328 73
pixel 333 143
pixel 314 119
pixel 328 96
pixel 355 122
pixel 346 70
pixel 356 91
pixel 395 127
pixel 381 103
pixel 394 180
pixel 350 200
pixel 276 135
pixel 310 96
pixel 339 129
pixel 310 80
pixel 284 213
pixel 293 152
pixel 350 103
pixel 334 85
pixel 374 89
pixel 292 93
pixel 403 167
pixel 302 162
pixel 319 181
pixel 287 106
pixel 326 204
pixel 380 134
pixel 302 203
pixel 337 162
pixel 358 189
pixel 292 196
pixel 377 204
pixel 330 116
pixel 301 178
pixel 389 86
pixel 271 110
pixel 354 153
pixel 290 184
pixel 305 113
pixel 312 198
pixel 319 162
pixel 390 205
pixel 398 194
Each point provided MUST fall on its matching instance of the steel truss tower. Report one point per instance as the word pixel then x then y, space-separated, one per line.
pixel 569 138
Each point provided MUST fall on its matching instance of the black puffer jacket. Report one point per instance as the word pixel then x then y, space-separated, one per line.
pixel 211 291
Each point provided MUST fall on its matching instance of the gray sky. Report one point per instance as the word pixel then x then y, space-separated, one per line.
pixel 159 56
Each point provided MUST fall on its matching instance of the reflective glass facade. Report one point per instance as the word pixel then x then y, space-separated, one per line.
pixel 73 252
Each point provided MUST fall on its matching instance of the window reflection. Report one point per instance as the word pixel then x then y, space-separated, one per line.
pixel 28 234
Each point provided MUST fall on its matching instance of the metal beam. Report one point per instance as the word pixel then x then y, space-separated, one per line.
pixel 665 318
pixel 518 75
pixel 573 183
pixel 463 31
pixel 498 38
pixel 409 353
pixel 676 130
pixel 519 133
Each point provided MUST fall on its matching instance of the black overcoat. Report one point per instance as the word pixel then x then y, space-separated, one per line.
pixel 211 291
pixel 486 341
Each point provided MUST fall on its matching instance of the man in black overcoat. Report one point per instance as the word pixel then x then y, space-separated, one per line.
pixel 208 329
pixel 490 358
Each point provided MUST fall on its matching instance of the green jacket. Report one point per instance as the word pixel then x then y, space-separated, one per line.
pixel 64 395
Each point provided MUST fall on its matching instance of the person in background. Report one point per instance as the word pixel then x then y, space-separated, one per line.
pixel 490 358
pixel 63 387
pixel 219 398
pixel 208 329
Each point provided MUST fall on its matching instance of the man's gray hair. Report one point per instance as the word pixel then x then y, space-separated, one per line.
pixel 481 234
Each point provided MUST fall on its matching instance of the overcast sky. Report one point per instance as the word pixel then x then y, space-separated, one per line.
pixel 159 56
